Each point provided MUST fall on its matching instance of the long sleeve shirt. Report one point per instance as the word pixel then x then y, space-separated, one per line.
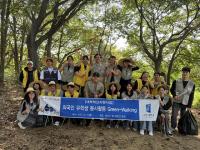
pixel 191 97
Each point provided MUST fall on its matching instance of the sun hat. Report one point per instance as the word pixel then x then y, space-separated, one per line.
pixel 30 89
pixel 121 61
pixel 49 58
pixel 41 83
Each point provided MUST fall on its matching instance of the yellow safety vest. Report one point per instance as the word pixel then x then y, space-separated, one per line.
pixel 139 87
pixel 108 96
pixel 82 80
pixel 25 77
pixel 154 91
pixel 75 95
pixel 49 93
pixel 57 93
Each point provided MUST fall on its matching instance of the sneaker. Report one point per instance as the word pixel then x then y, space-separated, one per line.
pixel 108 126
pixel 57 123
pixel 169 133
pixel 117 126
pixel 151 133
pixel 21 126
pixel 142 132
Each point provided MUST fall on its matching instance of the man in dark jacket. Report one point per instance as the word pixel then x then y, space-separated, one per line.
pixel 182 91
pixel 50 72
pixel 28 75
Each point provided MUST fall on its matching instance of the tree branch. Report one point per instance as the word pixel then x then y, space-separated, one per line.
pixel 68 14
pixel 141 32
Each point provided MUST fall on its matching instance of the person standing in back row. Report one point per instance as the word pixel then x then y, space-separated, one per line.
pixel 67 70
pixel 126 66
pixel 28 75
pixel 98 66
pixel 182 91
pixel 81 74
pixel 112 73
pixel 50 72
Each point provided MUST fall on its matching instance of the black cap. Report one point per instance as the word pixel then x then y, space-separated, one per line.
pixel 112 57
pixel 85 57
pixel 96 74
pixel 186 69
pixel 157 73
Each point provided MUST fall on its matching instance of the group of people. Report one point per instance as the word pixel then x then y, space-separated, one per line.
pixel 95 79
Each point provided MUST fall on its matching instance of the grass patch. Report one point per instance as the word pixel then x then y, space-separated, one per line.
pixel 196 102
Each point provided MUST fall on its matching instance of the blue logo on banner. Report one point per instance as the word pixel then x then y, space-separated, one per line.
pixel 93 108
pixel 148 108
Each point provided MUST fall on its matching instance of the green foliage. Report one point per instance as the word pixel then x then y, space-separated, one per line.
pixel 196 102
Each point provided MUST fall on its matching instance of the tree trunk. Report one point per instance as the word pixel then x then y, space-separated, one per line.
pixel 5 12
pixel 15 49
pixel 48 46
pixel 32 49
pixel 169 72
pixel 22 46
pixel 174 57
pixel 60 45
pixel 157 65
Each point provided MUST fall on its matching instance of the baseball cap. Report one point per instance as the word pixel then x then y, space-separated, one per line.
pixel 52 83
pixel 30 62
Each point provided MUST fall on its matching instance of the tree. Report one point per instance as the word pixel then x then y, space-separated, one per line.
pixel 159 24
pixel 5 13
pixel 41 19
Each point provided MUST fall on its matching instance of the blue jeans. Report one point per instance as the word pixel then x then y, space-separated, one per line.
pixel 176 107
pixel 146 125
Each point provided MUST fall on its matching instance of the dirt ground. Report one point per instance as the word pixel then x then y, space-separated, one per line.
pixel 75 137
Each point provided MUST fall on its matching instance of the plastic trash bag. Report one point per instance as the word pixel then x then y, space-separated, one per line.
pixel 187 124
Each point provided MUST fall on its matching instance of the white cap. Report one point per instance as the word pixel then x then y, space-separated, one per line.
pixel 70 84
pixel 30 62
pixel 52 83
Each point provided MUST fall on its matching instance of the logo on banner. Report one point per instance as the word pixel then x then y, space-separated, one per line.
pixel 148 108
pixel 48 108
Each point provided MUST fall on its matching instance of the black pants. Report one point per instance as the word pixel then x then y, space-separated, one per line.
pixel 176 107
pixel 30 121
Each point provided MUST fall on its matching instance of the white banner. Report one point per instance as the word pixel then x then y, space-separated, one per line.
pixel 49 105
pixel 148 109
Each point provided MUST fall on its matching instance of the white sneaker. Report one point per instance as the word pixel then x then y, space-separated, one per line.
pixel 108 126
pixel 142 132
pixel 21 126
pixel 151 133
pixel 57 123
pixel 117 126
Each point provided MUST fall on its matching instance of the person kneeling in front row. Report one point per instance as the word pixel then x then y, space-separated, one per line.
pixel 28 112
